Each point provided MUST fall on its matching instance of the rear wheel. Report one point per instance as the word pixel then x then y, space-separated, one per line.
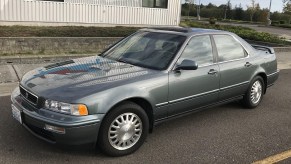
pixel 255 93
pixel 123 130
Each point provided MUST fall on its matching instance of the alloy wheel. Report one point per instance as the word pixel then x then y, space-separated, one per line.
pixel 125 131
pixel 256 92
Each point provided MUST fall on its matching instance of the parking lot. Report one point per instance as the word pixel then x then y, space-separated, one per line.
pixel 224 134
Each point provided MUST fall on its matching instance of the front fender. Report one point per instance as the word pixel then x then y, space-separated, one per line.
pixel 154 91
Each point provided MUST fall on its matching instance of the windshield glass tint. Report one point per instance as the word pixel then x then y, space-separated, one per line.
pixel 147 49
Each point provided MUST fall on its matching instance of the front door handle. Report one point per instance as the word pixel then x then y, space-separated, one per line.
pixel 248 64
pixel 212 72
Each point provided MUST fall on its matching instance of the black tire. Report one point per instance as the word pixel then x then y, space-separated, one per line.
pixel 105 144
pixel 247 100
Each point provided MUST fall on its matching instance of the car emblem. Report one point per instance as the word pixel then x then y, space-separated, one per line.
pixel 26 95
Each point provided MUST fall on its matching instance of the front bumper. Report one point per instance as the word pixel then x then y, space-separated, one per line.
pixel 79 130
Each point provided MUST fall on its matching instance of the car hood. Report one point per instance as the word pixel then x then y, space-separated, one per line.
pixel 81 77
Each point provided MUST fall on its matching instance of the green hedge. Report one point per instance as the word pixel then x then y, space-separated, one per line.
pixel 244 32
pixel 65 31
pixel 79 31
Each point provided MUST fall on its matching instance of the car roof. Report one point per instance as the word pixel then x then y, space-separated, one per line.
pixel 184 31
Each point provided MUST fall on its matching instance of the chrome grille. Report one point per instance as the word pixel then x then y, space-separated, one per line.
pixel 30 97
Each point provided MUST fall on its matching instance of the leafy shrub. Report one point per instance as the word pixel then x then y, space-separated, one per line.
pixel 275 22
pixel 212 20
pixel 282 22
pixel 65 31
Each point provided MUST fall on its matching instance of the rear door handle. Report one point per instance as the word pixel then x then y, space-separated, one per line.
pixel 248 64
pixel 212 72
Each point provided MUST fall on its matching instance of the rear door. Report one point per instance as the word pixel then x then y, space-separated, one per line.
pixel 189 89
pixel 234 66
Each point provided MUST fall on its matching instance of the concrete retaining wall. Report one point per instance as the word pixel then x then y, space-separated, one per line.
pixel 42 46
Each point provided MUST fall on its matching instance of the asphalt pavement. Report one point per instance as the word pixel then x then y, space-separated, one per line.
pixel 281 32
pixel 224 134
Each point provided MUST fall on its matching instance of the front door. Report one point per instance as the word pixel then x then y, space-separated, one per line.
pixel 189 89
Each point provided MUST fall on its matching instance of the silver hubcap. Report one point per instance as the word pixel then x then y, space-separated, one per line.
pixel 125 131
pixel 256 92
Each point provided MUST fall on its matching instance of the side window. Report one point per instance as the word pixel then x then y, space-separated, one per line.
pixel 199 49
pixel 228 48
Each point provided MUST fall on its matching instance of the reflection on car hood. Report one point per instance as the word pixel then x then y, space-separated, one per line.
pixel 80 75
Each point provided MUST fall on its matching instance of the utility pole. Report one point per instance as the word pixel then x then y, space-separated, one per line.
pixel 269 14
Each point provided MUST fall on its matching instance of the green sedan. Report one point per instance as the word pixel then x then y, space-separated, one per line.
pixel 113 100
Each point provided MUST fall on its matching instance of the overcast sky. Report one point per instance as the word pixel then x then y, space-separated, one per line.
pixel 277 5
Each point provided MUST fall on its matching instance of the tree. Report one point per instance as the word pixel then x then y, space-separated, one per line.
pixel 238 12
pixel 190 3
pixel 287 6
pixel 227 13
pixel 287 9
pixel 252 8
pixel 261 15
pixel 286 1
pixel 185 9
pixel 210 6
pixel 254 12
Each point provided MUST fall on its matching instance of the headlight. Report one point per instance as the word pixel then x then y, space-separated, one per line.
pixel 73 109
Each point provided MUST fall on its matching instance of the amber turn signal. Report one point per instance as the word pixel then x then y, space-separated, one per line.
pixel 82 110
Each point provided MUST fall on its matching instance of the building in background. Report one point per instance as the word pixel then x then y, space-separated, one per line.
pixel 90 12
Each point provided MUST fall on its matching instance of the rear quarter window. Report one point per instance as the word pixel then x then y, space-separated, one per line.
pixel 228 48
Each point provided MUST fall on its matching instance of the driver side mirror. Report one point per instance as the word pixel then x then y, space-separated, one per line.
pixel 187 65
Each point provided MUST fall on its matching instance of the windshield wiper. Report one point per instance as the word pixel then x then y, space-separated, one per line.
pixel 122 60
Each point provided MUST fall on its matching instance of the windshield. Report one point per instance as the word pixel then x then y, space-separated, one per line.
pixel 147 49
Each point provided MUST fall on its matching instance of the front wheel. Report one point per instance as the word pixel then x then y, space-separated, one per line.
pixel 255 93
pixel 123 130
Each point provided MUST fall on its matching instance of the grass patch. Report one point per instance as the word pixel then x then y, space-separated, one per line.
pixel 244 32
pixel 65 31
pixel 80 31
